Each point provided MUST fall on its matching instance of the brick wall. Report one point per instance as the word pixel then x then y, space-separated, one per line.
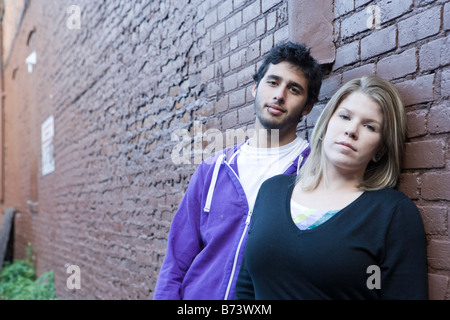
pixel 410 48
pixel 135 73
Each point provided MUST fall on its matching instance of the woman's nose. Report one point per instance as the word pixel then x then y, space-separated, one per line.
pixel 351 133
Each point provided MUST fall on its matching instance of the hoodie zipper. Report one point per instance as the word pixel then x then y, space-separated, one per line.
pixel 241 240
pixel 236 256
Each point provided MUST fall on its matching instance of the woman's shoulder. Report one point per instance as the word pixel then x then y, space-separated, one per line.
pixel 388 193
pixel 281 179
pixel 389 197
pixel 281 182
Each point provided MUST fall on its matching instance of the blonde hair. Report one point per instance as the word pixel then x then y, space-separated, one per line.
pixel 384 173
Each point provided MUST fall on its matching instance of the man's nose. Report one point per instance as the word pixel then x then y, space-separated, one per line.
pixel 280 94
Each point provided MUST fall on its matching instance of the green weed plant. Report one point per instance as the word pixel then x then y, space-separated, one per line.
pixel 18 281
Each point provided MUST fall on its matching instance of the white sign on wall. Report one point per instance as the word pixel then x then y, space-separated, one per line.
pixel 31 61
pixel 47 134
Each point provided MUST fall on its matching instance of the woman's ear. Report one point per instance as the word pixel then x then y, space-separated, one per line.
pixel 376 157
pixel 380 153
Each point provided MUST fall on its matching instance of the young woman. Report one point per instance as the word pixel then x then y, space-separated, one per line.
pixel 340 230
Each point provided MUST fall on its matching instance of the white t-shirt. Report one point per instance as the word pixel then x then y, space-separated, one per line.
pixel 256 165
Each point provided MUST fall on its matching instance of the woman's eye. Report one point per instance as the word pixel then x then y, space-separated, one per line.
pixel 344 117
pixel 370 127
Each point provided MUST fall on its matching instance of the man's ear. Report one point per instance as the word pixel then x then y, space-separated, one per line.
pixel 307 109
pixel 254 89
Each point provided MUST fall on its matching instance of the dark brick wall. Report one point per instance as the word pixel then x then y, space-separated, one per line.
pixel 411 49
pixel 137 72
pixel 118 87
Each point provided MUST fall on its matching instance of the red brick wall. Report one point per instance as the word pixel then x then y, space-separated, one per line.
pixel 411 48
pixel 136 72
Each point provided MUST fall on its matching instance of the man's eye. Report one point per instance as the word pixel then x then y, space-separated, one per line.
pixel 295 91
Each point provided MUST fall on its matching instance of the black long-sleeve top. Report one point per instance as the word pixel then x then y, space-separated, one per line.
pixel 379 236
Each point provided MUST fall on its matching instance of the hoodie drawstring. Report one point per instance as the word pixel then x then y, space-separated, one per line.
pixel 213 183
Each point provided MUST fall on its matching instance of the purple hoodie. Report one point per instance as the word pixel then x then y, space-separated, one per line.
pixel 208 233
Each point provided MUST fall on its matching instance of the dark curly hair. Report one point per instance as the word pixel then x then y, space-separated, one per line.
pixel 299 56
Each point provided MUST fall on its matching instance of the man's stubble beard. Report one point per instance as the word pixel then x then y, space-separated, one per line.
pixel 287 122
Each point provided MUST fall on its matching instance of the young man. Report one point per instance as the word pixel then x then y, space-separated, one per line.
pixel 209 231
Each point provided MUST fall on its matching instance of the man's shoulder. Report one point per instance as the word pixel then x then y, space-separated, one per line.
pixel 227 152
